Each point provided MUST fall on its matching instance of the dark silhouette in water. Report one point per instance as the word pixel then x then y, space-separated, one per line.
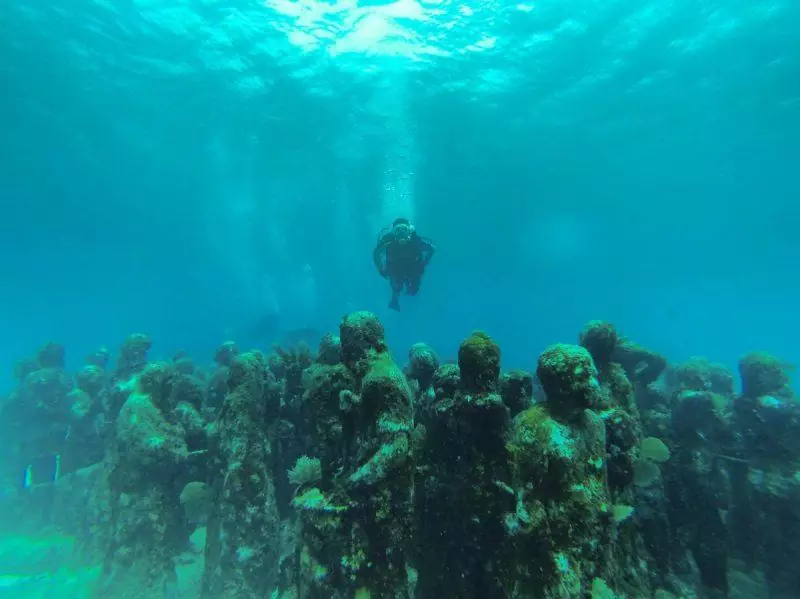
pixel 268 330
pixel 304 335
pixel 266 326
pixel 401 256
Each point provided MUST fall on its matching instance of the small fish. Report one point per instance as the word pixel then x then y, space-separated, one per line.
pixel 44 470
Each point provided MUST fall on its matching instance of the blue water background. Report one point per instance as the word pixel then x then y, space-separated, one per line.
pixel 182 168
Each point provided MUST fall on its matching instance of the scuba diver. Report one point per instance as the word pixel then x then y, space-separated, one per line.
pixel 401 256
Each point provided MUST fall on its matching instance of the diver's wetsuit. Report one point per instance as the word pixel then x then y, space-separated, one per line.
pixel 401 256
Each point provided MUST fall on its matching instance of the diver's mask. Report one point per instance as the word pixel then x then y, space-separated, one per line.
pixel 404 233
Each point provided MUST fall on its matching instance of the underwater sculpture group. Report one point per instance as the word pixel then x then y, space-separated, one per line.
pixel 339 474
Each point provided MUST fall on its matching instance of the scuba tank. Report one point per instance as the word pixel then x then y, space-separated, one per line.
pixel 383 233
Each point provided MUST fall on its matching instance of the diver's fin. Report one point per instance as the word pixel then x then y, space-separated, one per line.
pixel 394 304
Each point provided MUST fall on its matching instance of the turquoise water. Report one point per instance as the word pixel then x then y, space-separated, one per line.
pixel 188 168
